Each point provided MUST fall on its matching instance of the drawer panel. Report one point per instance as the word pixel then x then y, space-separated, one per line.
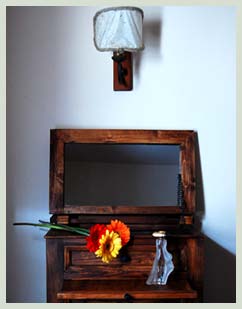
pixel 80 256
pixel 79 264
pixel 70 262
pixel 127 291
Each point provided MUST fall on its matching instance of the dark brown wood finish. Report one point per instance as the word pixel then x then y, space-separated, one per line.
pixel 196 264
pixel 187 156
pixel 54 268
pixel 127 66
pixel 136 221
pixel 131 291
pixel 76 275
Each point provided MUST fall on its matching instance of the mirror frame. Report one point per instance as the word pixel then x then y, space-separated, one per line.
pixel 184 138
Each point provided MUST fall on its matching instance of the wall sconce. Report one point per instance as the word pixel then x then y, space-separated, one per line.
pixel 120 29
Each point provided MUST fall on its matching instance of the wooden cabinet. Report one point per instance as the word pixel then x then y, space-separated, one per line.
pixel 75 275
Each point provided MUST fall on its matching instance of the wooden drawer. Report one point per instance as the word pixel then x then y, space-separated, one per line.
pixel 135 261
pixel 80 264
pixel 125 291
pixel 81 276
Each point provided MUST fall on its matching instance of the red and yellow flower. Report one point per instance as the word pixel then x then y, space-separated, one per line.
pixel 107 240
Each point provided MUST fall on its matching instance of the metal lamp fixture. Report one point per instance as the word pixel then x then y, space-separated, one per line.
pixel 120 29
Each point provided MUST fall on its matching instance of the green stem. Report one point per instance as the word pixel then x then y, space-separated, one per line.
pixel 77 230
pixel 67 226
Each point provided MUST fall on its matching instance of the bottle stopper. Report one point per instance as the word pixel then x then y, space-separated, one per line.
pixel 159 234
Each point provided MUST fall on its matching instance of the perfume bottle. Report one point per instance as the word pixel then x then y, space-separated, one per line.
pixel 162 265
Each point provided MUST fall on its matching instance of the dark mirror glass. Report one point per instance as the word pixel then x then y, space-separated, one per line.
pixel 121 174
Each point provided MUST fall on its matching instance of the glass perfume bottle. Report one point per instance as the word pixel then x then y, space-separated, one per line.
pixel 162 265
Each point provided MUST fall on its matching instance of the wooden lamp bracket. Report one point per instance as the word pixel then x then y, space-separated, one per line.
pixel 122 71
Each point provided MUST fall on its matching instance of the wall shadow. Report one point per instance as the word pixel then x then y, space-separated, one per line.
pixel 152 35
pixel 219 274
pixel 219 264
pixel 200 202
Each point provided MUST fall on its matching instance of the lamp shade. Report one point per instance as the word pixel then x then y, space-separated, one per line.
pixel 119 28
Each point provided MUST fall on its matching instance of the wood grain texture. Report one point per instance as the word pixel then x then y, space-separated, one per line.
pixel 119 210
pixel 137 217
pixel 183 138
pixel 75 274
pixel 79 263
pixel 138 237
pixel 136 289
pixel 127 65
pixel 68 259
pixel 56 183
pixel 136 221
pixel 54 268
pixel 195 264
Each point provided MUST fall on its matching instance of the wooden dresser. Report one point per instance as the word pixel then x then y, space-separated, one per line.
pixel 76 275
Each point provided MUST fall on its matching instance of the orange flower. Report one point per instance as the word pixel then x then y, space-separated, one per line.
pixel 120 228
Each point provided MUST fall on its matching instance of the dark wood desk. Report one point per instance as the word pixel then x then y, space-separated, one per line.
pixel 75 274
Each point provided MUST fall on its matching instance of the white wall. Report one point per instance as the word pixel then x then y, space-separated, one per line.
pixel 184 79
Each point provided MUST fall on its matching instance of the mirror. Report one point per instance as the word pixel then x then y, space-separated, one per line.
pixel 121 174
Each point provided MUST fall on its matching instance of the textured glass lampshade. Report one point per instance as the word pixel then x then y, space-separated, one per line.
pixel 119 28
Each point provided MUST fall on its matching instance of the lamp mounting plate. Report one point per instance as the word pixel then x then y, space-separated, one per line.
pixel 122 72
